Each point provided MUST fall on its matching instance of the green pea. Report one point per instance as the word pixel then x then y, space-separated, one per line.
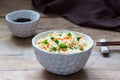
pixel 56 41
pixel 45 42
pixel 53 48
pixel 62 45
pixel 52 38
pixel 69 34
pixel 78 38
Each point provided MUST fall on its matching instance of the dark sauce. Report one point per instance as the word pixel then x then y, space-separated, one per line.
pixel 22 20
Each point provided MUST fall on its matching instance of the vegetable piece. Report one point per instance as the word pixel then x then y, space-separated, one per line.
pixel 69 34
pixel 52 38
pixel 48 45
pixel 45 42
pixel 81 49
pixel 38 43
pixel 62 46
pixel 81 36
pixel 43 47
pixel 67 37
pixel 56 41
pixel 53 48
pixel 78 38
pixel 61 34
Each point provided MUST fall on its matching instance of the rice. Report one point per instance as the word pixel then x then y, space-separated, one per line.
pixel 63 43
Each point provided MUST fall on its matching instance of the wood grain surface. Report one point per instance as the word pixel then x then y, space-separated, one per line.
pixel 18 61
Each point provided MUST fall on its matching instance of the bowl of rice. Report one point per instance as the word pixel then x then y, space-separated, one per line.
pixel 62 52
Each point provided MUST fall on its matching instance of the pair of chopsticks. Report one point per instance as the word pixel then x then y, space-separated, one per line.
pixel 108 43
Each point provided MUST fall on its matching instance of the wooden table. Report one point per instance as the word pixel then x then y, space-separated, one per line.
pixel 18 61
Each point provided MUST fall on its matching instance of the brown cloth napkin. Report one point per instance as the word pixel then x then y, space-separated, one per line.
pixel 102 14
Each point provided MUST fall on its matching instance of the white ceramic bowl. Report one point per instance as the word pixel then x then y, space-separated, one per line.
pixel 23 29
pixel 62 64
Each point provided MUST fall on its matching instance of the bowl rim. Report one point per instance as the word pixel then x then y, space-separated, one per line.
pixel 88 37
pixel 24 10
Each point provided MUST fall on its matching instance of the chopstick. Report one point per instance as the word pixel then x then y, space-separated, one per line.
pixel 108 43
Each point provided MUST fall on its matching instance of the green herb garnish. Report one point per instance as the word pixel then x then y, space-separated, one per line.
pixel 56 41
pixel 69 34
pixel 78 38
pixel 62 46
pixel 61 34
pixel 81 49
pixel 53 49
pixel 45 42
pixel 52 38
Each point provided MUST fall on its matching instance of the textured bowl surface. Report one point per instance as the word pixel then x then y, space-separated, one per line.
pixel 23 29
pixel 62 64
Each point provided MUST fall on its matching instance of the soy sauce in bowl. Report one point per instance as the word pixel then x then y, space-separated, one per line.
pixel 22 20
pixel 23 23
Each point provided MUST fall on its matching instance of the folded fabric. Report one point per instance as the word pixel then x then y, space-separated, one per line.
pixel 103 14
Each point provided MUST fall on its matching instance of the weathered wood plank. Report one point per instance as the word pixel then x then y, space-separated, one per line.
pixel 17 58
pixel 44 75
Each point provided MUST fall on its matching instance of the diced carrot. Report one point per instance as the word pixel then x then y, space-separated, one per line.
pixel 58 49
pixel 38 43
pixel 47 45
pixel 67 37
pixel 43 47
pixel 81 36
pixel 58 39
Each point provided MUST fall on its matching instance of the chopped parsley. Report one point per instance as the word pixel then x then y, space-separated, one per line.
pixel 69 34
pixel 53 48
pixel 52 38
pixel 56 41
pixel 61 34
pixel 45 42
pixel 81 49
pixel 62 46
pixel 78 38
